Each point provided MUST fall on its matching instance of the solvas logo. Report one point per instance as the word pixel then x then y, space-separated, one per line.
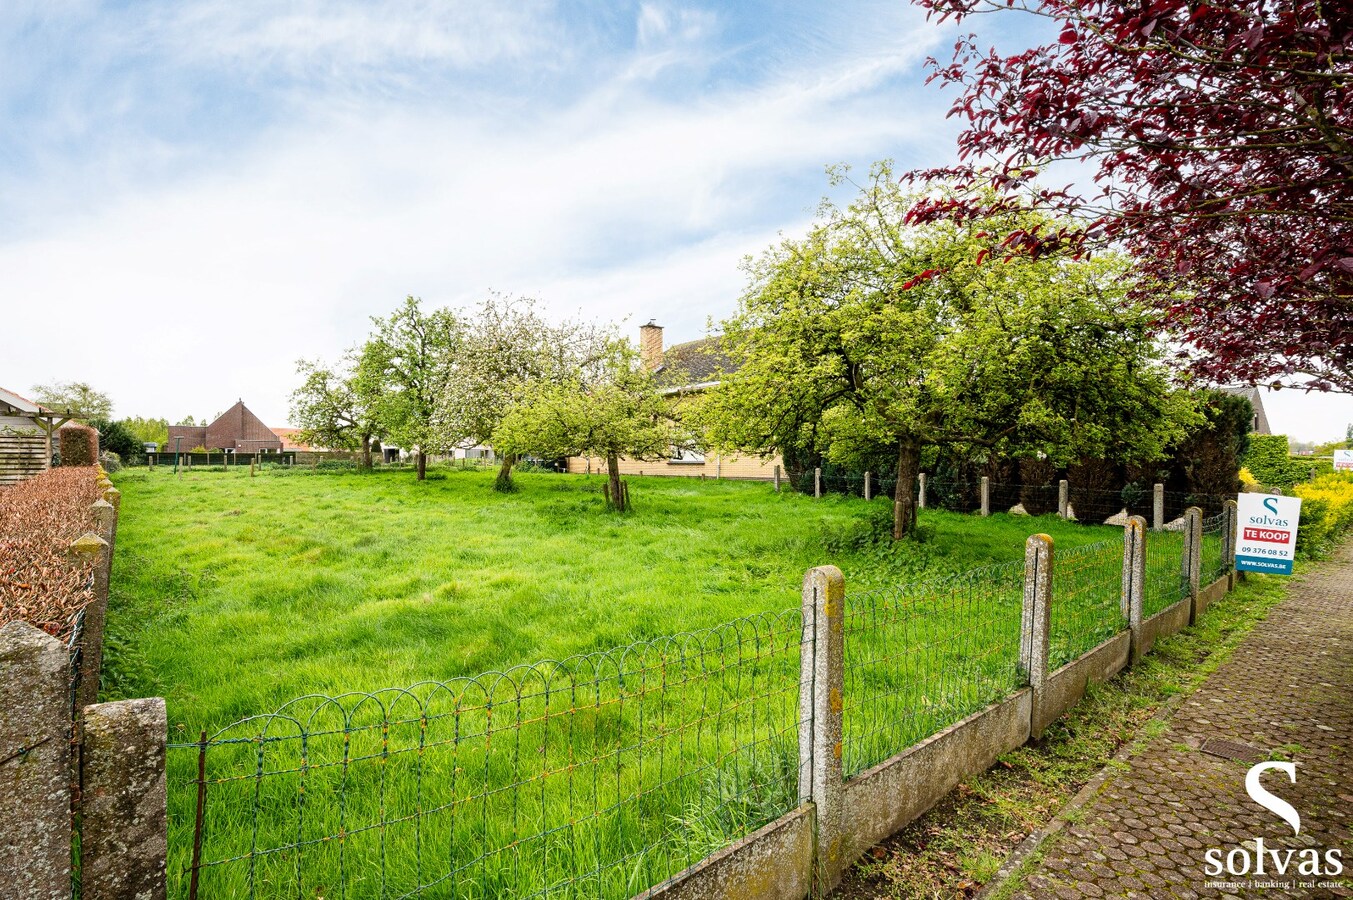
pixel 1268 861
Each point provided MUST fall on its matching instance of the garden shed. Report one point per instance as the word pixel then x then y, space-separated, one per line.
pixel 26 431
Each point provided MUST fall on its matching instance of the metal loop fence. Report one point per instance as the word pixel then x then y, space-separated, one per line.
pixel 1087 600
pixel 598 776
pixel 922 656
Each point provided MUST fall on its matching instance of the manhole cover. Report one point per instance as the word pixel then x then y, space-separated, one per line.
pixel 1233 750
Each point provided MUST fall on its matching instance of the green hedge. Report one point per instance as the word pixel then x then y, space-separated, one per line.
pixel 1272 466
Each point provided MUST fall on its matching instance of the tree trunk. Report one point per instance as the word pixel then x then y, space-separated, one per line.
pixel 613 473
pixel 904 495
pixel 422 465
pixel 366 452
pixel 504 480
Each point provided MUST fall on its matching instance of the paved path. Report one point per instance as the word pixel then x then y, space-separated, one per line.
pixel 1289 688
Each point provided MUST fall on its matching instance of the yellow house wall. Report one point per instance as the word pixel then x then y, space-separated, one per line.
pixel 714 466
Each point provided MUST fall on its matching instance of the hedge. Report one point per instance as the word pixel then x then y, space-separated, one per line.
pixel 40 583
pixel 1270 464
pixel 79 445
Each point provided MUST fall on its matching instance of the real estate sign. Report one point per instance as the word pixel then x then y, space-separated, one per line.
pixel 1266 533
pixel 1343 459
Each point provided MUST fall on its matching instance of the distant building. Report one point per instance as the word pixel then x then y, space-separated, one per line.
pixel 688 368
pixel 237 429
pixel 1259 424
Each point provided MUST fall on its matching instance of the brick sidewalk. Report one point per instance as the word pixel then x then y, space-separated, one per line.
pixel 1287 690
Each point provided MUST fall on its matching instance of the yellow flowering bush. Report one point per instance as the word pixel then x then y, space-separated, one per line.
pixel 1326 510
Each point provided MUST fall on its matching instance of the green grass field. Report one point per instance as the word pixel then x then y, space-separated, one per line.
pixel 594 776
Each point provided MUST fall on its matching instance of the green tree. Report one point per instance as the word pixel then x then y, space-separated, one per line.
pixel 148 430
pixel 339 406
pixel 411 354
pixel 117 438
pixel 611 408
pixel 873 334
pixel 507 349
pixel 78 398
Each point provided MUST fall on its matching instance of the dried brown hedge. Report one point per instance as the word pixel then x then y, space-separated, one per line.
pixel 79 444
pixel 40 582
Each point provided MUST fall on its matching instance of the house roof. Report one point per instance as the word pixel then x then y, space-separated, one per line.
pixel 20 404
pixel 235 429
pixel 288 439
pixel 694 364
pixel 1256 397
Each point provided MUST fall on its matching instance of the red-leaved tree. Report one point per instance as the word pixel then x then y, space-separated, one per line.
pixel 1220 135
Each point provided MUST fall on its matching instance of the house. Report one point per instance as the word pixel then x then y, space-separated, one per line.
pixel 684 369
pixel 26 430
pixel 236 430
pixel 1259 425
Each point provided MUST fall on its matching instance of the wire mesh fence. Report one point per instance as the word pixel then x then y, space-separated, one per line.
pixel 1087 600
pixel 1166 579
pixel 598 776
pixel 1214 563
pixel 920 657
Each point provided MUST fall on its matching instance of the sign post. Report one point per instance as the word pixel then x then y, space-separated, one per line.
pixel 1266 533
pixel 1343 460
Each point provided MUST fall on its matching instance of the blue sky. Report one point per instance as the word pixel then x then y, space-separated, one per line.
pixel 195 194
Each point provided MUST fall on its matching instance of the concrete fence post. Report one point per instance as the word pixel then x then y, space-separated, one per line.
pixel 35 765
pixel 821 683
pixel 1134 581
pixel 1230 519
pixel 123 836
pixel 920 495
pixel 1158 507
pixel 1035 624
pixel 868 487
pixel 817 483
pixel 777 479
pixel 986 495
pixel 1193 557
pixel 1063 498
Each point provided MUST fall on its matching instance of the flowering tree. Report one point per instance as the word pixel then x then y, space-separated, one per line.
pixel 1221 140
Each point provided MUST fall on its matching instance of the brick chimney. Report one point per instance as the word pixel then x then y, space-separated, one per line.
pixel 650 344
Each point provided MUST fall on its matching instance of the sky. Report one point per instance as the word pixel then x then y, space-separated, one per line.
pixel 196 194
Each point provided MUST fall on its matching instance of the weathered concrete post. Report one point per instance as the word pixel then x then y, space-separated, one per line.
pixel 986 495
pixel 123 837
pixel 35 776
pixel 868 487
pixel 1230 518
pixel 920 492
pixel 777 479
pixel 821 682
pixel 96 613
pixel 1193 557
pixel 1158 507
pixel 817 483
pixel 1063 498
pixel 1036 621
pixel 1134 580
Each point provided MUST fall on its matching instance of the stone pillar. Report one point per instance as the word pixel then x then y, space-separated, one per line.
pixel 123 838
pixel 1134 580
pixel 1063 498
pixel 777 479
pixel 35 774
pixel 920 491
pixel 1193 557
pixel 821 682
pixel 817 483
pixel 868 488
pixel 92 546
pixel 986 495
pixel 1036 621
pixel 1158 507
